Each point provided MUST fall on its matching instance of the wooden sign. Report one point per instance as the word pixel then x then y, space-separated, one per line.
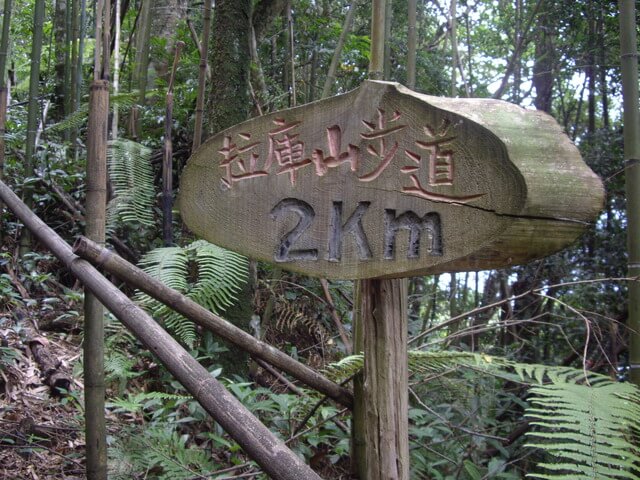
pixel 386 182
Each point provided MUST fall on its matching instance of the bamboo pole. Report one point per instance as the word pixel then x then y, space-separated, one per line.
pixel 260 444
pixel 137 278
pixel 4 91
pixel 376 63
pixel 202 75
pixel 32 117
pixel 95 217
pixel 411 45
pixel 96 201
pixel 388 20
pixel 167 161
pixel 333 67
pixel 629 59
pixel 292 57
pixel 116 71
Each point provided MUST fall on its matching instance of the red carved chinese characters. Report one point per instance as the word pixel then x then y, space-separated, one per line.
pixel 336 157
pixel 287 149
pixel 244 157
pixel 440 166
pixel 432 159
pixel 384 152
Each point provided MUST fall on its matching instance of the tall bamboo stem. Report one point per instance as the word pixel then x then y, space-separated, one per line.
pixel 96 203
pixel 4 49
pixel 167 162
pixel 629 53
pixel 411 45
pixel 333 67
pixel 116 71
pixel 202 75
pixel 32 116
pixel 94 386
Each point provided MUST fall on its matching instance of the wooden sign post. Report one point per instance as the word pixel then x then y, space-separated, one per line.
pixel 386 183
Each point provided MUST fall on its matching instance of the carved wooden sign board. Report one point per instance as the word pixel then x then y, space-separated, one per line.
pixel 386 182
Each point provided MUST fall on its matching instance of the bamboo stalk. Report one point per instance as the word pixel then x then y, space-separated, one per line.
pixel 346 28
pixel 411 45
pixel 376 63
pixel 167 161
pixel 388 20
pixel 96 201
pixel 202 75
pixel 33 108
pixel 629 59
pixel 137 278
pixel 292 58
pixel 116 71
pixel 260 444
pixel 4 91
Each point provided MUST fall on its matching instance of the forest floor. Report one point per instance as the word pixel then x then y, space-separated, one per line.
pixel 41 433
pixel 41 387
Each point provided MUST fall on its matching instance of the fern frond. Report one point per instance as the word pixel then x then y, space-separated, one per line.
pixel 220 272
pixel 163 451
pixel 218 275
pixel 132 179
pixel 587 428
pixel 345 368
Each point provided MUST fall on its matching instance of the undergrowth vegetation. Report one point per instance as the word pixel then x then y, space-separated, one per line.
pixel 513 373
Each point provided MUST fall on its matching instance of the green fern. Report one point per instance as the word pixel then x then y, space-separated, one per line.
pixel 160 453
pixel 137 402
pixel 132 179
pixel 588 423
pixel 587 429
pixel 206 273
pixel 80 117
pixel 435 363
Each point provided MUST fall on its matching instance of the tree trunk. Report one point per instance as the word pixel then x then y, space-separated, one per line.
pixel 228 101
pixel 141 66
pixel 602 53
pixel 629 58
pixel 33 111
pixel 167 161
pixel 453 26
pixel 543 68
pixel 116 69
pixel 292 58
pixel 96 206
pixel 591 68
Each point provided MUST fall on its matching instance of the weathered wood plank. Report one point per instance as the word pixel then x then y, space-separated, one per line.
pixel 385 182
pixel 382 305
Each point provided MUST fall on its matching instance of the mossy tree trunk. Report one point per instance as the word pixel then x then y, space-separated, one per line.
pixel 229 100
pixel 228 103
